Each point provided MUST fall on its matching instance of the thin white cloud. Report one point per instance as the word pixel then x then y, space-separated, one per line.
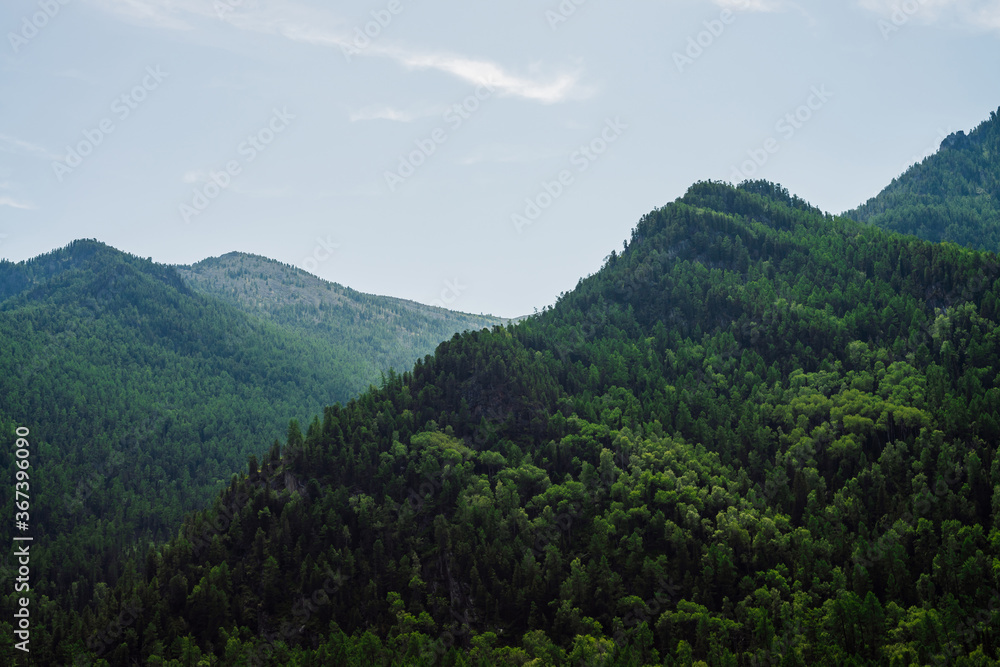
pixel 977 14
pixel 307 25
pixel 768 6
pixel 385 112
pixel 13 203
pixel 474 71
pixel 983 15
pixel 150 13
pixel 9 144
pixel 478 72
pixel 752 5
pixel 928 8
pixel 988 18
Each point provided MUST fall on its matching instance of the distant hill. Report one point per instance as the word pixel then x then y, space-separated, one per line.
pixel 379 331
pixel 953 195
pixel 144 393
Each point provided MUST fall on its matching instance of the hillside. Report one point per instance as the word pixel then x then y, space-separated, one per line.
pixel 383 332
pixel 953 195
pixel 145 396
pixel 759 435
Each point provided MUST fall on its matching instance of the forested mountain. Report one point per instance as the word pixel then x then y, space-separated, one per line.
pixel 759 435
pixel 382 332
pixel 953 195
pixel 144 396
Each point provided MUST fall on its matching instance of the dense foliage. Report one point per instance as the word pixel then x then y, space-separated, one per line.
pixel 759 435
pixel 953 195
pixel 146 395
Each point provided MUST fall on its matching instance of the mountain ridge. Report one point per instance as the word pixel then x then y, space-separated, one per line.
pixel 226 260
pixel 750 438
pixel 146 394
pixel 951 195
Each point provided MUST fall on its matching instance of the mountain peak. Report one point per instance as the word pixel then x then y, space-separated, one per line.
pixel 103 264
pixel 952 195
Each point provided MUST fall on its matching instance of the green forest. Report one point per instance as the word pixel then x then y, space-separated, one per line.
pixel 149 394
pixel 759 435
pixel 952 195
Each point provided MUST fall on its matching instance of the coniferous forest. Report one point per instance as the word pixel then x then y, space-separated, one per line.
pixel 952 195
pixel 150 393
pixel 759 435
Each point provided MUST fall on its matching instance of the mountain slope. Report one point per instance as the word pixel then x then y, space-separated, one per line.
pixel 953 195
pixel 383 332
pixel 759 435
pixel 144 397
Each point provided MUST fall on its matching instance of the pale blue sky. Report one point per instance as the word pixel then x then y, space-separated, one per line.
pixel 350 158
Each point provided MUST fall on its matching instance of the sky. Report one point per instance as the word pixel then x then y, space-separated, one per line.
pixel 482 156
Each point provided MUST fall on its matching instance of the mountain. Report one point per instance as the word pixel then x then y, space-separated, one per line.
pixel 382 332
pixel 144 395
pixel 953 195
pixel 760 434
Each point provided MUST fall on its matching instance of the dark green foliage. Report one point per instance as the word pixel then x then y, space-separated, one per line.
pixel 759 435
pixel 953 195
pixel 144 396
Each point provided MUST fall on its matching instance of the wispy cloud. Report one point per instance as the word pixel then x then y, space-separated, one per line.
pixel 988 17
pixel 385 112
pixel 316 27
pixel 769 6
pixel 13 203
pixel 929 8
pixel 9 144
pixel 551 89
pixel 978 14
pixel 752 5
pixel 151 13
